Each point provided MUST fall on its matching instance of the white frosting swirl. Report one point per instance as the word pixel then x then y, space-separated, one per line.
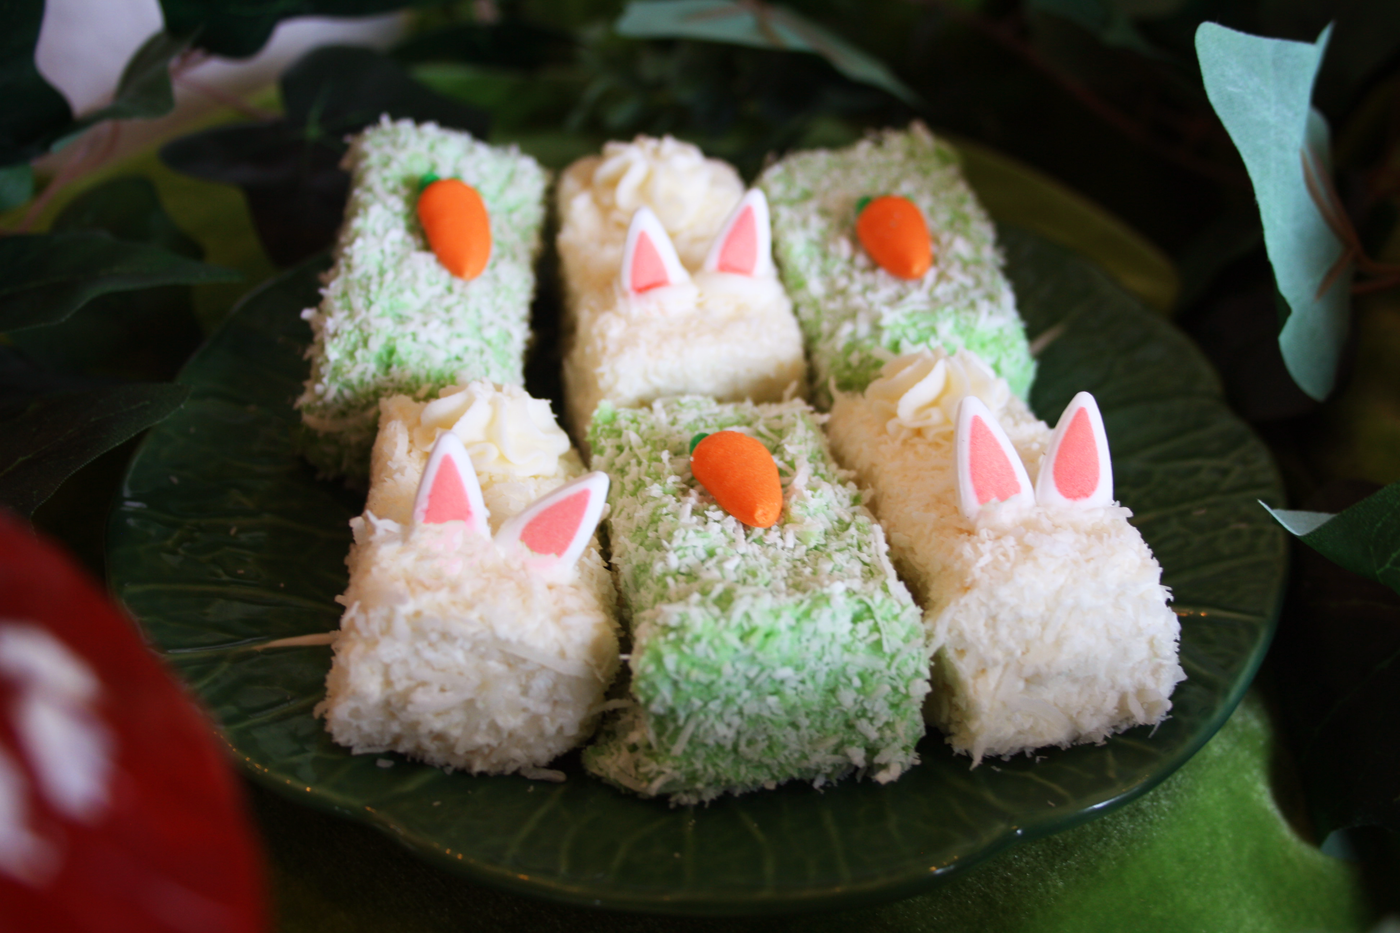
pixel 505 431
pixel 671 177
pixel 921 391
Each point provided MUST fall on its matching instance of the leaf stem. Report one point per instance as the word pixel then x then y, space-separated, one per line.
pixel 90 151
pixel 1329 205
pixel 191 59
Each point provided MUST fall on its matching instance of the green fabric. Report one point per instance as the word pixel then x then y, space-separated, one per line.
pixel 1211 849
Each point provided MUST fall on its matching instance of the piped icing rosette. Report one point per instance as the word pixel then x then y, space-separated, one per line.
pixel 669 283
pixel 479 628
pixel 1044 606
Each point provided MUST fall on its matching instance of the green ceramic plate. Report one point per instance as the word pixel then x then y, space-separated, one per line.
pixel 224 541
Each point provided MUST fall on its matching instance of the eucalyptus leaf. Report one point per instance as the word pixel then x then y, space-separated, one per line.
pixel 46 439
pixel 1261 88
pixel 1364 538
pixel 46 277
pixel 35 113
pixel 16 185
pixel 289 169
pixel 761 25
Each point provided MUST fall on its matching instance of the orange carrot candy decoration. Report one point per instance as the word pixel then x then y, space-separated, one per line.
pixel 893 232
pixel 741 474
pixel 457 226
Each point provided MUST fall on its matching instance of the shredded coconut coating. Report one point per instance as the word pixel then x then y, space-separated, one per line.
pixel 722 335
pixel 392 319
pixel 856 316
pixel 451 653
pixel 1048 627
pixel 759 655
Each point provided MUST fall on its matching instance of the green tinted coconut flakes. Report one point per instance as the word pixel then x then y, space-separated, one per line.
pixel 759 655
pixel 855 316
pixel 392 319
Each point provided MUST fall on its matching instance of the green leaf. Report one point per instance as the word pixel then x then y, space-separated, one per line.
pixel 240 28
pixel 506 44
pixel 1261 88
pixel 16 185
pixel 142 335
pixel 1338 652
pixel 334 90
pixel 39 123
pixel 34 113
pixel 1107 20
pixel 46 277
pixel 1364 538
pixel 289 169
pixel 761 25
pixel 128 208
pixel 144 91
pixel 48 438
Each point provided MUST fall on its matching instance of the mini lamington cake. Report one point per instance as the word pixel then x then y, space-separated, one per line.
pixel 916 266
pixel 400 311
pixel 479 630
pixel 1045 609
pixel 669 283
pixel 759 654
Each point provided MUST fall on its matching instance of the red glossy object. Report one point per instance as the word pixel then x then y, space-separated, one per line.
pixel 118 807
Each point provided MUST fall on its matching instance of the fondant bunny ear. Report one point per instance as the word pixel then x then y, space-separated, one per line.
pixel 1077 470
pixel 449 490
pixel 745 242
pixel 552 531
pixel 988 467
pixel 649 259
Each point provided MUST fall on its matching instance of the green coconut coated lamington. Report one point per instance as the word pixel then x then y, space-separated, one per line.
pixel 856 316
pixel 758 655
pixel 392 319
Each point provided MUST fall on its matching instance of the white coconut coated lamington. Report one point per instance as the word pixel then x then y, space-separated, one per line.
pixel 758 655
pixel 855 316
pixel 392 319
pixel 1049 626
pixel 448 651
pixel 727 336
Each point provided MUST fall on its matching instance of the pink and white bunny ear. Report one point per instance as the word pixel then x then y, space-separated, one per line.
pixel 1077 470
pixel 449 490
pixel 988 467
pixel 552 531
pixel 649 258
pixel 745 242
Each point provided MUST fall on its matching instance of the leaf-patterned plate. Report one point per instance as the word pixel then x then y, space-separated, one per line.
pixel 224 541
